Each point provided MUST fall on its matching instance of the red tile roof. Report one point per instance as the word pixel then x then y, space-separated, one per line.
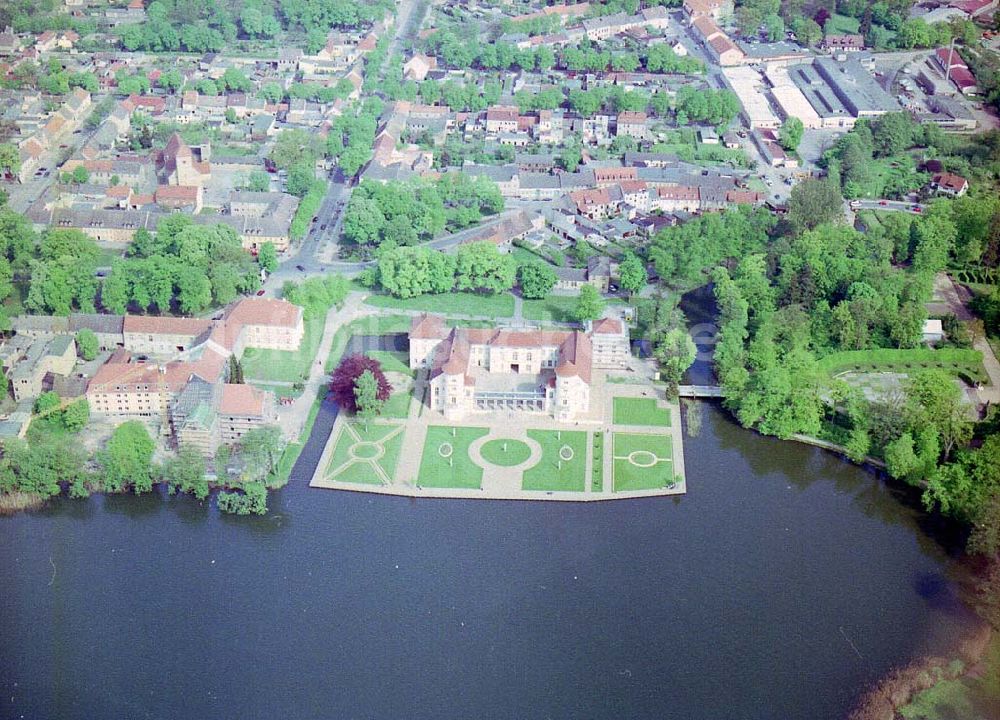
pixel 243 400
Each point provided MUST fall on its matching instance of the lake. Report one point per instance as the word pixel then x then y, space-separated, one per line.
pixel 782 583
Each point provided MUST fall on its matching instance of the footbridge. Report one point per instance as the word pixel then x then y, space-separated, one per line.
pixel 699 391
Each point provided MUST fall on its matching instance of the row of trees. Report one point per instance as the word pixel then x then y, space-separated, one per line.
pixel 408 272
pixel 45 462
pixel 199 27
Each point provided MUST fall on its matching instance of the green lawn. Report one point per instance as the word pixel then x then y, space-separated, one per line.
pixel 392 361
pixel 461 472
pixel 505 453
pixel 285 365
pixel 841 25
pixel 398 405
pixel 967 363
pixel 455 303
pixel 360 453
pixel 641 462
pixel 555 308
pixel 640 411
pixel 547 474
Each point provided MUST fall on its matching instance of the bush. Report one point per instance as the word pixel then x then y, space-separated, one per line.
pixel 251 501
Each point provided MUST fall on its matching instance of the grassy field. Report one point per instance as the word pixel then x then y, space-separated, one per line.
pixel 640 411
pixel 455 303
pixel 285 365
pixel 360 461
pixel 505 453
pixel 392 361
pixel 841 25
pixel 555 308
pixel 435 470
pixel 547 474
pixel 632 452
pixel 398 405
pixel 967 363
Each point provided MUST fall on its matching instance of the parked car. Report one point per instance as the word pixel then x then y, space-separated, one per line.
pixel 300 268
pixel 883 202
pixel 917 209
pixel 259 293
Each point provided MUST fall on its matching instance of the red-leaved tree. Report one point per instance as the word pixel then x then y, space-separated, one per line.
pixel 347 373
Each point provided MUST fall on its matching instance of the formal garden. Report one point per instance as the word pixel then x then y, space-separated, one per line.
pixel 641 462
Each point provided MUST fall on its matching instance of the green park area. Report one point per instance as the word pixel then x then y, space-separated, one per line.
pixel 500 305
pixel 366 455
pixel 563 467
pixel 445 462
pixel 397 406
pixel 967 364
pixel 641 462
pixel 640 411
pixel 555 308
pixel 398 362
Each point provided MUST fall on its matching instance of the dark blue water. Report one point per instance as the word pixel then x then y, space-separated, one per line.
pixel 780 585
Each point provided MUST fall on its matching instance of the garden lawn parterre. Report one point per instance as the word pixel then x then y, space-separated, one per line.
pixel 640 411
pixel 366 456
pixel 547 474
pixel 641 462
pixel 435 470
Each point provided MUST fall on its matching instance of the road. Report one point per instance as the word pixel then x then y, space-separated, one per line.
pixel 409 18
pixel 317 253
pixel 888 206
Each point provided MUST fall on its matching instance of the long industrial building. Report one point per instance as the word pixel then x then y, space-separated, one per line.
pixel 822 93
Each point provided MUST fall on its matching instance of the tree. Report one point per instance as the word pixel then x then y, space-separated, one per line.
pixel 258 181
pixel 632 273
pixel 791 133
pixel 363 221
pixel 170 80
pixel 366 398
pixel 814 202
pixel 300 178
pixel 80 175
pixel 935 400
pixel 235 371
pixel 807 31
pixel 675 351
pixel 344 381
pixel 480 266
pixel 536 280
pixel 87 344
pixel 900 458
pixel 186 473
pixel 46 403
pixel 75 415
pixel 267 257
pixel 10 159
pixel 260 450
pixel 251 501
pixel 126 458
pixel 590 304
